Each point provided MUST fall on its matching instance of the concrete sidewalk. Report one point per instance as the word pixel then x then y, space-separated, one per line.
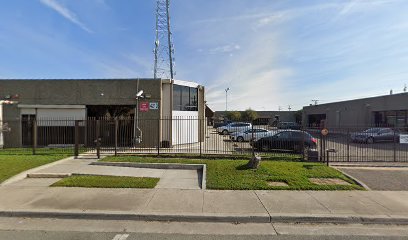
pixel 206 205
pixel 169 178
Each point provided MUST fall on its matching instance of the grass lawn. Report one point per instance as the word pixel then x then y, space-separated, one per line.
pixel 107 182
pixel 225 174
pixel 13 162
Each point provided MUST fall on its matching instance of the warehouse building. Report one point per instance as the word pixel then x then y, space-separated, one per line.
pixel 264 117
pixel 147 109
pixel 388 110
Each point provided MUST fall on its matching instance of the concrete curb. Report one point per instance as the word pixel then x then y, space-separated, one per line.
pixel 48 175
pixel 210 218
pixel 202 167
pixel 353 178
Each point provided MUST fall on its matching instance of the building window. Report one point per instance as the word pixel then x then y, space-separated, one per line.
pixel 185 98
pixel 177 97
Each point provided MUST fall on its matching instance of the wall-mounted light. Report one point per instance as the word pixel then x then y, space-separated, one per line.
pixel 102 94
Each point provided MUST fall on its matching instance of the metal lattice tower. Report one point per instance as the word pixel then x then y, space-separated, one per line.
pixel 164 48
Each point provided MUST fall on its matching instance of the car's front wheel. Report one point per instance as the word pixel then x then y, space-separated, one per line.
pixel 265 147
pixel 225 132
pixel 240 139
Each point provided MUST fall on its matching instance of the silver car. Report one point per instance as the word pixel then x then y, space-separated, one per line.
pixel 247 135
pixel 234 127
pixel 373 135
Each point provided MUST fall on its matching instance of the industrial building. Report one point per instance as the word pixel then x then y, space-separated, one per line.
pixel 388 110
pixel 264 117
pixel 152 108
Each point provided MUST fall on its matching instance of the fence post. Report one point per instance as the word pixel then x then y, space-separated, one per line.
pixel 200 134
pixel 158 136
pixel 327 158
pixel 303 143
pixel 252 139
pixel 98 139
pixel 116 137
pixel 348 145
pixel 395 147
pixel 34 124
pixel 76 147
pixel 321 146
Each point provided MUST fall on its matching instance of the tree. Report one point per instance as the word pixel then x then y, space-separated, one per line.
pixel 249 115
pixel 233 115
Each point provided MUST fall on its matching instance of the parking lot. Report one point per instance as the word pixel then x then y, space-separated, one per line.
pixel 345 149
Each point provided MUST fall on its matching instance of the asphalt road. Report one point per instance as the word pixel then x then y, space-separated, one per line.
pixel 44 235
pixel 382 179
pixel 64 229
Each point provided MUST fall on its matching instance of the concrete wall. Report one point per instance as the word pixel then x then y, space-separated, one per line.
pixel 201 113
pixel 357 112
pixel 11 116
pixel 93 92
pixel 82 92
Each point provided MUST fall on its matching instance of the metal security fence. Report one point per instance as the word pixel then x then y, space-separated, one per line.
pixel 362 144
pixel 193 136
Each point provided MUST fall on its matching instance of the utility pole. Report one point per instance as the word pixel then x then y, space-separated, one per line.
pixel 226 99
pixel 164 48
pixel 315 102
pixel 289 107
pixel 280 108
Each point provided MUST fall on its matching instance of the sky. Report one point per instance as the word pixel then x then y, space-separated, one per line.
pixel 271 54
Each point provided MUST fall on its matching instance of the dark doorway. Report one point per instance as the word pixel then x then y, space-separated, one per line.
pixel 27 129
pixel 315 120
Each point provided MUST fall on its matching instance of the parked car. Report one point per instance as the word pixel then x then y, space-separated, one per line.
pixel 247 135
pixel 288 125
pixel 221 124
pixel 287 140
pixel 373 135
pixel 234 127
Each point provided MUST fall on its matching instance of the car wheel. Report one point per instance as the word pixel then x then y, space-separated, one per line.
pixel 225 132
pixel 265 147
pixel 240 139
pixel 370 140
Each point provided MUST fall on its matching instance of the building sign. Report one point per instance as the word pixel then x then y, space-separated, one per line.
pixel 403 138
pixel 154 105
pixel 144 107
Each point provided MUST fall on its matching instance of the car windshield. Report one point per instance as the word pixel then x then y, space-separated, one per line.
pixel 373 130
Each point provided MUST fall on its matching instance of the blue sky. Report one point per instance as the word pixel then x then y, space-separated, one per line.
pixel 270 53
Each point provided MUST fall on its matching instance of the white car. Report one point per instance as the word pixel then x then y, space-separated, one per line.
pixel 256 133
pixel 234 127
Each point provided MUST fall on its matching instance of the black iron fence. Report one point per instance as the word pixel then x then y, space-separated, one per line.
pixel 193 136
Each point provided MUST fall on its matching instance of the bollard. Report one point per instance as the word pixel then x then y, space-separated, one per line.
pixel 98 147
pixel 327 154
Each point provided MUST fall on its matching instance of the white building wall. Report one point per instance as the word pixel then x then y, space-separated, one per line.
pixel 185 127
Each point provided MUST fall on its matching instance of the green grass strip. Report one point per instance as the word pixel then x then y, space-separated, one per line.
pixel 11 165
pixel 88 181
pixel 225 174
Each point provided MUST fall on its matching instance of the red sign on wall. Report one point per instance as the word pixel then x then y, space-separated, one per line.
pixel 144 107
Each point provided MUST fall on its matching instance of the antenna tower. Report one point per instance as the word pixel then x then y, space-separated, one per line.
pixel 164 48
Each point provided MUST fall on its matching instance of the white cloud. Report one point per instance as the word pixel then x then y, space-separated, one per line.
pixel 66 13
pixel 229 48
